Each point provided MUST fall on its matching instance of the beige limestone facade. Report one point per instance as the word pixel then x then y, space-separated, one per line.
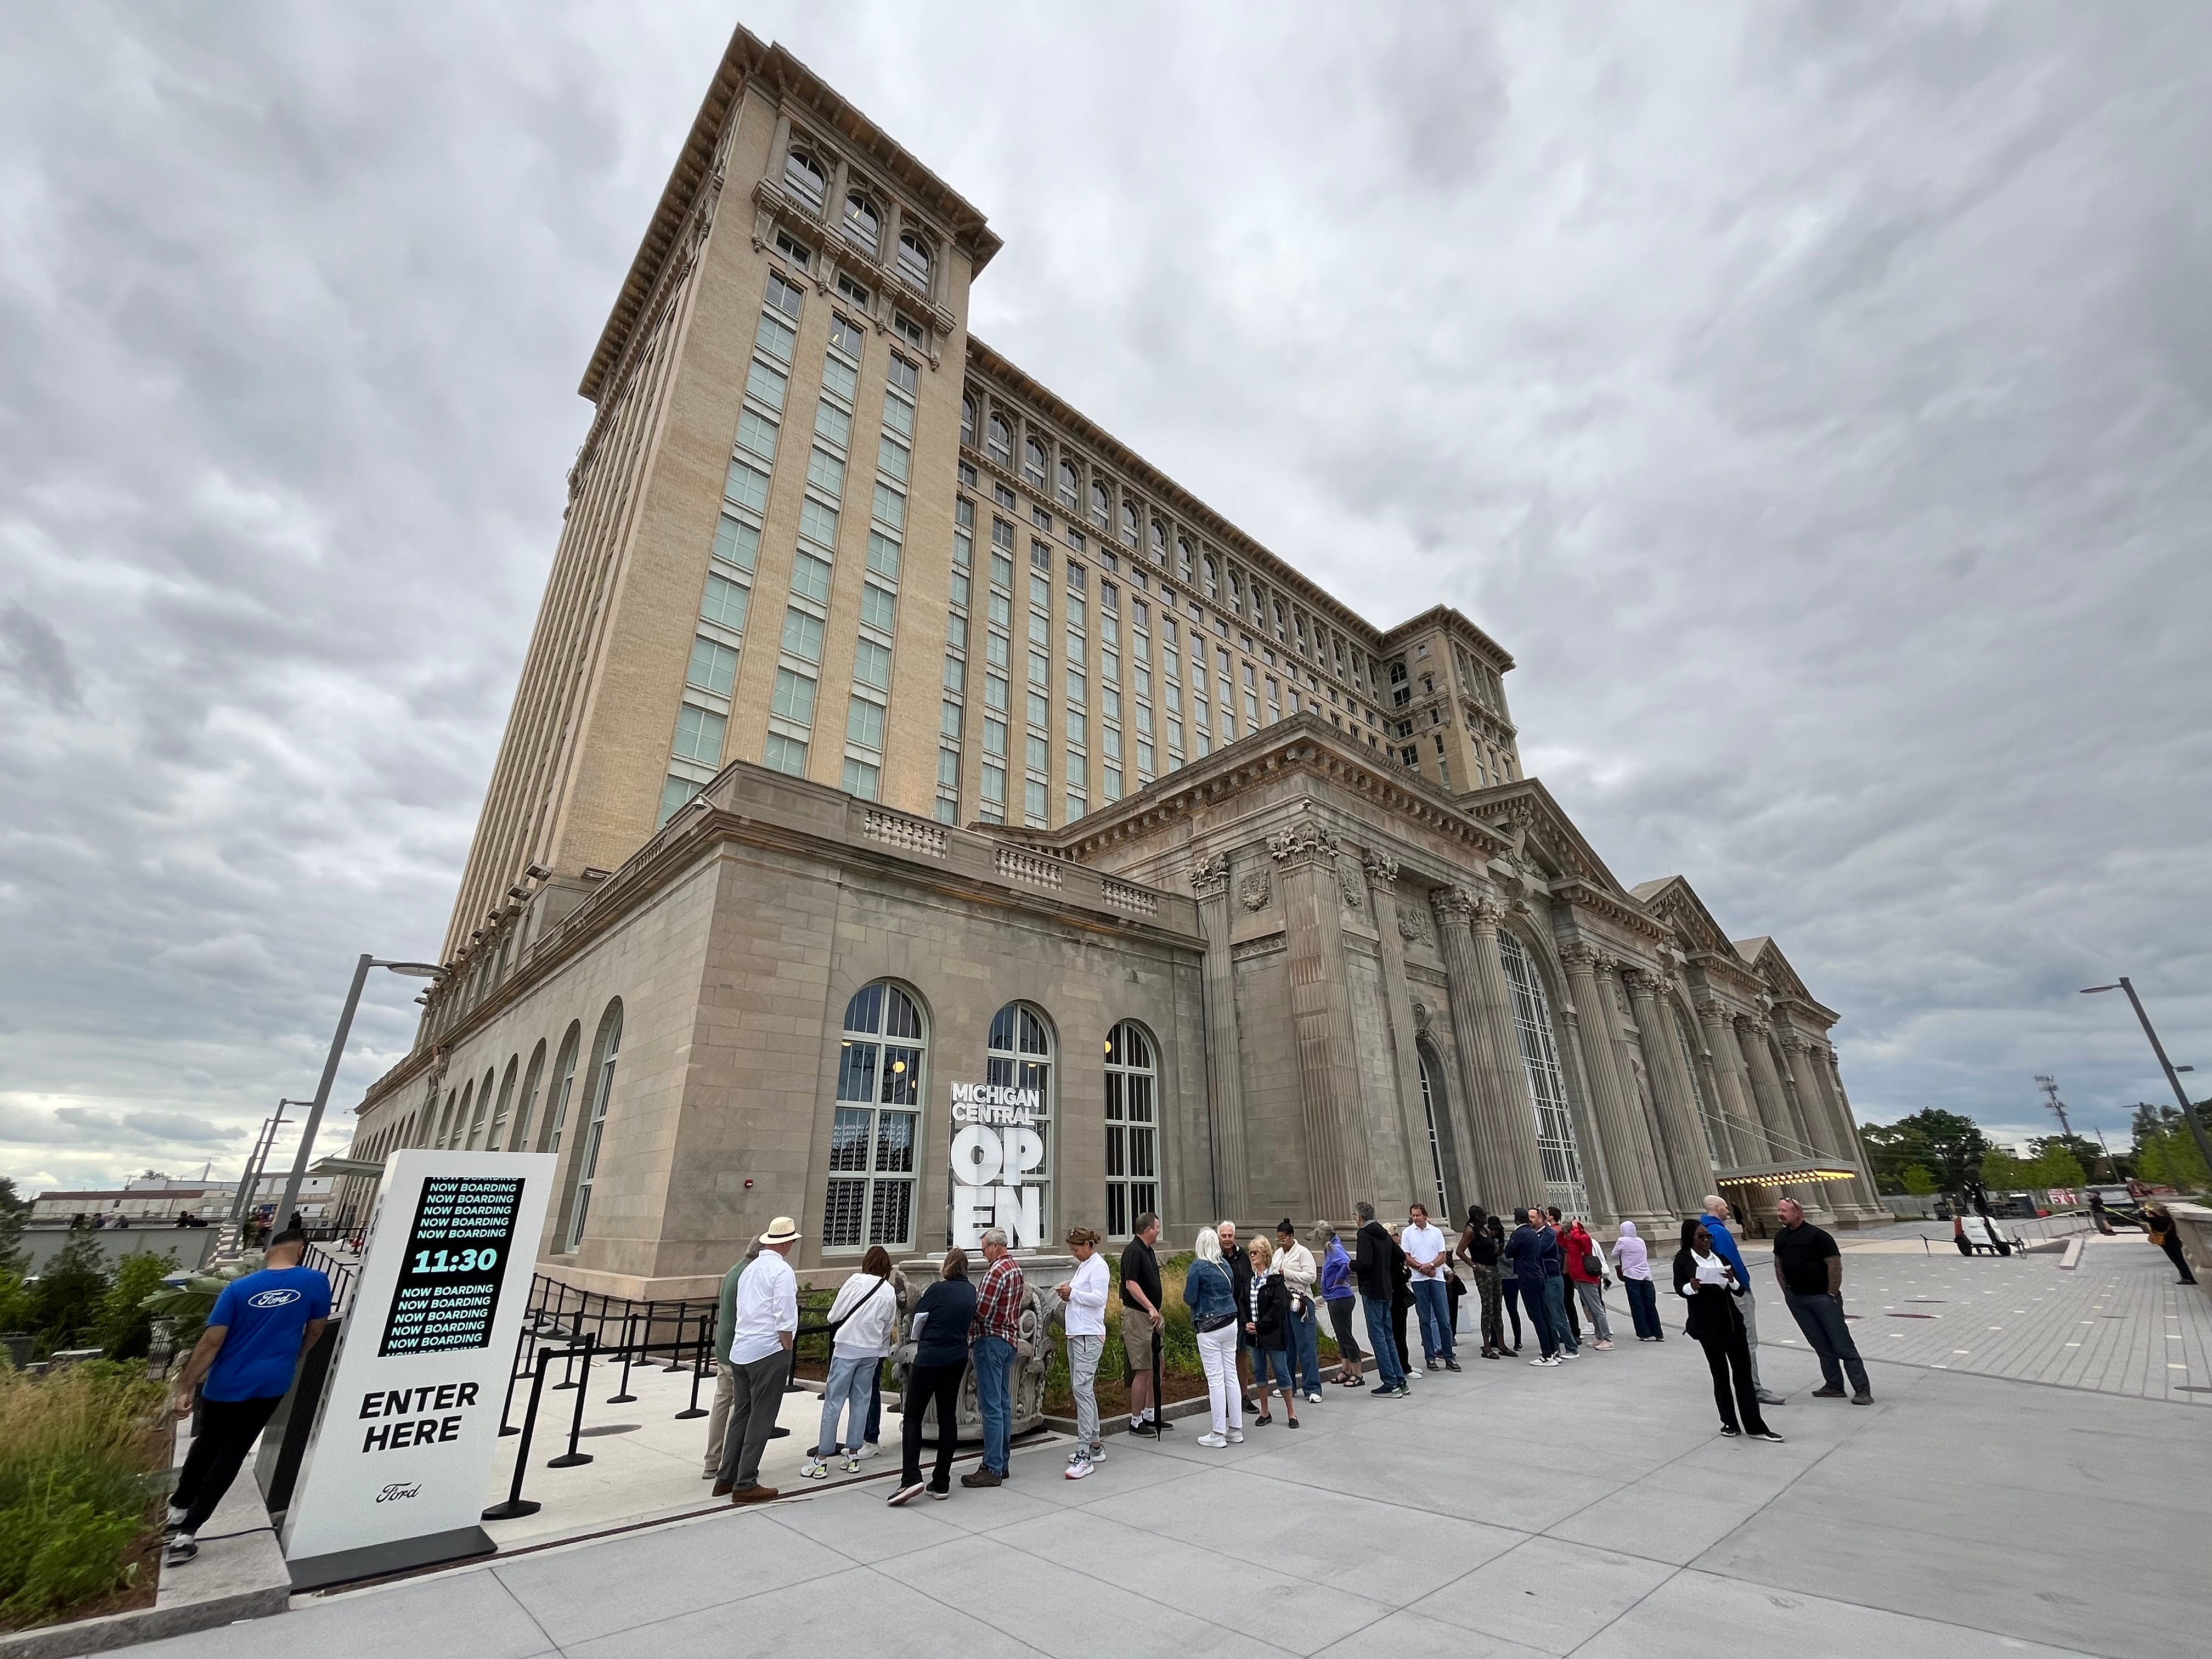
pixel 888 725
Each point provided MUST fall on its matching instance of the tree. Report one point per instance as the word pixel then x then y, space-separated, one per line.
pixel 2001 1172
pixel 66 1300
pixel 125 1329
pixel 1946 1144
pixel 1918 1180
pixel 2057 1165
pixel 14 1210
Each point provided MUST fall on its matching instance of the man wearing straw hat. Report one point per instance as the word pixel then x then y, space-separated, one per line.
pixel 765 1325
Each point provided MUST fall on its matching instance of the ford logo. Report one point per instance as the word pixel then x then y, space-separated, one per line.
pixel 276 1298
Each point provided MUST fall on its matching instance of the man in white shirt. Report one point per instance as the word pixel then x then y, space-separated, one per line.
pixel 1428 1253
pixel 765 1325
pixel 1084 1298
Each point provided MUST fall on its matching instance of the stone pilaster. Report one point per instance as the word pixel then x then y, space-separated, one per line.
pixel 1746 1140
pixel 1782 1134
pixel 1502 1114
pixel 1224 1088
pixel 1594 1023
pixel 1827 1079
pixel 1682 1137
pixel 1338 1171
pixel 1405 1063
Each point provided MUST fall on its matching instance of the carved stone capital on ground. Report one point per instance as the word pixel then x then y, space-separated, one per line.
pixel 1209 876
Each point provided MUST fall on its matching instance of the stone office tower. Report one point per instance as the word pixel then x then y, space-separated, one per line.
pixel 874 681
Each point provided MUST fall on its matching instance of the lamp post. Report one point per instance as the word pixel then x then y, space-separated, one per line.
pixel 413 970
pixel 264 1143
pixel 2173 1073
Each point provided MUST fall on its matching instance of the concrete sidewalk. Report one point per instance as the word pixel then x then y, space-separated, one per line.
pixel 1589 1509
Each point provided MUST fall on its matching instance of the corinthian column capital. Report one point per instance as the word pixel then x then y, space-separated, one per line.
pixel 1643 982
pixel 1209 876
pixel 1381 870
pixel 1452 904
pixel 1580 958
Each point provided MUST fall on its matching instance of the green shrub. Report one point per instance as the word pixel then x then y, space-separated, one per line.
pixel 83 1461
pixel 125 1329
pixel 66 1300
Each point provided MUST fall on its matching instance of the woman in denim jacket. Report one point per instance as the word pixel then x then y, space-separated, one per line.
pixel 1211 1296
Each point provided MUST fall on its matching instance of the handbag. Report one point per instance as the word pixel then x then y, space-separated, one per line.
pixel 1211 1321
pixel 1594 1266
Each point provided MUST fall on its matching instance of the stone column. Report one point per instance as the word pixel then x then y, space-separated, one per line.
pixel 1501 1114
pixel 1594 1023
pixel 1766 1089
pixel 1636 1102
pixel 1405 1063
pixel 1747 1142
pixel 1225 1084
pixel 1820 1061
pixel 1338 1167
pixel 1681 1135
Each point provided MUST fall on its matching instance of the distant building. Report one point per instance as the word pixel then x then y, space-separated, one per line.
pixel 144 1199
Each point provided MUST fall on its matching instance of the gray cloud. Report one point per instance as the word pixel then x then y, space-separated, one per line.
pixel 1814 401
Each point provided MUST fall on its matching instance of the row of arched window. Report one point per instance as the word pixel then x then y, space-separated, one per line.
pixel 861 219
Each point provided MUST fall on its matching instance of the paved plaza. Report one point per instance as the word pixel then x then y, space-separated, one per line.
pixel 1589 1510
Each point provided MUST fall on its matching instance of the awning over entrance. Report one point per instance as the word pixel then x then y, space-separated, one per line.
pixel 1784 1175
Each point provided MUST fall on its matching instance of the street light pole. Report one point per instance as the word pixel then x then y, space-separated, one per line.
pixel 2188 1110
pixel 413 969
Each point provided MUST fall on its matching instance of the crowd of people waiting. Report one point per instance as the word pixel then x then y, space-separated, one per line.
pixel 1256 1309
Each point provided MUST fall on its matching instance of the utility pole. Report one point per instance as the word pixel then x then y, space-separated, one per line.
pixel 2051 1102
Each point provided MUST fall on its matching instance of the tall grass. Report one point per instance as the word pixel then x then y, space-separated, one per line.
pixel 83 1458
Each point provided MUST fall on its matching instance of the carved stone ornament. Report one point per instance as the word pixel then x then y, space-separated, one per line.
pixel 1256 890
pixel 1421 1017
pixel 1209 876
pixel 1354 890
pixel 1579 958
pixel 1452 903
pixel 1412 927
pixel 1381 870
pixel 1304 840
pixel 1488 914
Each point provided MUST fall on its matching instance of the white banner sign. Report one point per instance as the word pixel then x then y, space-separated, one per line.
pixel 408 1428
pixel 996 1144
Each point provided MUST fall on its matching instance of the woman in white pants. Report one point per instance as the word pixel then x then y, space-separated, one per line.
pixel 1211 1296
pixel 1083 1297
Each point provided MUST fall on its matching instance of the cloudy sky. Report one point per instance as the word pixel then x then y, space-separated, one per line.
pixel 1813 399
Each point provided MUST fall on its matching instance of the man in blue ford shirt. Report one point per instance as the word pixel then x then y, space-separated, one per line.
pixel 1724 1245
pixel 261 1325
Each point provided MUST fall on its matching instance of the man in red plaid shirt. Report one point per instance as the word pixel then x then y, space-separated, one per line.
pixel 990 1339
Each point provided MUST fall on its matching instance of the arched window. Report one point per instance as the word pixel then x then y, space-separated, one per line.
pixel 1212 576
pixel 444 1135
pixel 1433 1102
pixel 864 226
pixel 564 1084
pixel 968 422
pixel 607 1049
pixel 1002 441
pixel 914 262
pixel 518 1140
pixel 1020 1056
pixel 804 178
pixel 1102 506
pixel 879 1122
pixel 1133 1150
pixel 1033 462
pixel 495 1140
pixel 483 1110
pixel 1129 523
pixel 1539 1059
pixel 1070 487
pixel 1184 557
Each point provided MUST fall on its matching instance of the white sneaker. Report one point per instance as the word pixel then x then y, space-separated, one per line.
pixel 852 1463
pixel 1077 1468
pixel 1569 1353
pixel 814 1469
pixel 1097 1452
pixel 1546 1360
pixel 1235 1436
pixel 1313 1396
pixel 1211 1441
pixel 869 1448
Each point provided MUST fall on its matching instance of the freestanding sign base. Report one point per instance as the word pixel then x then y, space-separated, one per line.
pixel 408 1428
pixel 400 1555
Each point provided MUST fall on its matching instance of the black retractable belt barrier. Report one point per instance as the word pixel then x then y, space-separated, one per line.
pixel 572 1457
pixel 698 1365
pixel 629 1344
pixel 516 1505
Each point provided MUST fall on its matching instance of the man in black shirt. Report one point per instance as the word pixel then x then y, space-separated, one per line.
pixel 1375 1270
pixel 1810 1270
pixel 1141 1320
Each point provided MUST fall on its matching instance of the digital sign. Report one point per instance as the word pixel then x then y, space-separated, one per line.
pixel 447 1297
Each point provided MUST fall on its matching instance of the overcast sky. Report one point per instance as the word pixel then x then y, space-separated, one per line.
pixel 1813 399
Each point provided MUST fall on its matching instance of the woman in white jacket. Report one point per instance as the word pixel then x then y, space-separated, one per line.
pixel 864 1314
pixel 1084 1296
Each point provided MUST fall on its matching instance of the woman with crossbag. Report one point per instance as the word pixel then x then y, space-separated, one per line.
pixel 1211 1295
pixel 863 1316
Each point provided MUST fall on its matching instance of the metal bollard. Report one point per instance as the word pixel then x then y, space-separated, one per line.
pixel 572 1457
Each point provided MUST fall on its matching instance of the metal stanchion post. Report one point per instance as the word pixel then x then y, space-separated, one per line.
pixel 514 1370
pixel 572 1457
pixel 629 1332
pixel 697 1361
pixel 515 1505
pixel 675 1353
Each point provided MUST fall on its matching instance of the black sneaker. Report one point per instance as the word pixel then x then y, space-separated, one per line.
pixel 1768 1434
pixel 981 1477
pixel 1451 1364
pixel 1730 1431
pixel 1827 1394
pixel 182 1548
pixel 1385 1388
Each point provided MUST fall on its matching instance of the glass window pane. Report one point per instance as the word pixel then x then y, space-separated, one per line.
pixel 862 1013
pixel 891 1216
pixel 856 1073
pixel 840 1214
pixel 849 1137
